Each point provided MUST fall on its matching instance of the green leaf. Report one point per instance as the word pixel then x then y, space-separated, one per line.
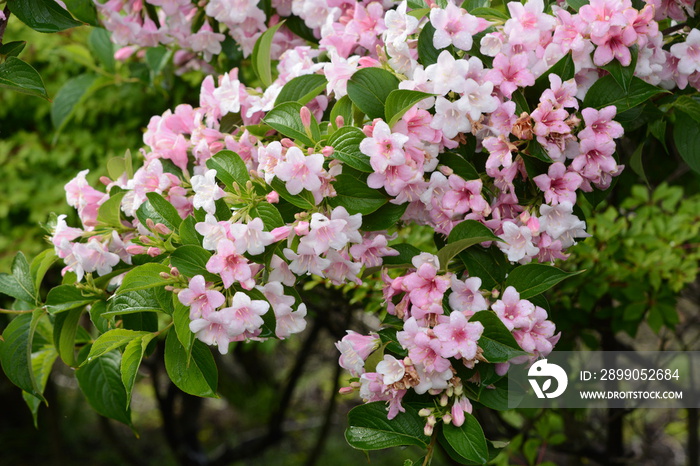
pixel 42 15
pixel 131 302
pixel 387 216
pixel 21 77
pixel 260 59
pixel 623 74
pixel 687 140
pixel 102 47
pixel 101 383
pixel 535 149
pixel 606 91
pixel 533 279
pixel 83 10
pixel 427 53
pixel 40 265
pixel 230 168
pixel 286 120
pixel 269 214
pixel 689 106
pixel 343 107
pixel 42 363
pixel 15 351
pixel 406 253
pixel 637 165
pixel 131 360
pixel 110 212
pixel 464 235
pixel 65 330
pixel 399 101
pixel 19 285
pixel 188 233
pixel 192 260
pixel 96 316
pixel 303 200
pixel 371 430
pixel 144 276
pixel 157 58
pixel 356 196
pixel 496 341
pixel 468 440
pixel 111 340
pixel 68 97
pixel 269 320
pixel 346 148
pixel 12 49
pixel 197 376
pixel 66 297
pixel 459 165
pixel 302 89
pixel 160 211
pixel 181 322
pixel 576 4
pixel 491 14
pixel 369 88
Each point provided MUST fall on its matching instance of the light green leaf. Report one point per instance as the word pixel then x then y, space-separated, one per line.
pixel 269 214
pixel 285 118
pixel 302 89
pixel 160 211
pixel 131 302
pixel 66 297
pixel 111 340
pixel 19 285
pixel 110 212
pixel 15 352
pixel 144 276
pixel 399 101
pixel 102 47
pixel 65 330
pixel 230 168
pixel 260 59
pixel 356 196
pixel 40 265
pixel 369 88
pixel 346 148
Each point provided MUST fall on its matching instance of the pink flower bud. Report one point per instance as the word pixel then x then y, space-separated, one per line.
pixel 272 197
pixel 339 121
pixel 281 233
pixel 174 272
pixel 346 390
pixel 135 249
pixel 302 228
pixel 534 225
pixel 286 142
pixel 428 430
pixel 327 151
pixel 305 115
pixel 162 229
pixel 445 170
pixel 105 180
pixel 154 252
pixel 150 224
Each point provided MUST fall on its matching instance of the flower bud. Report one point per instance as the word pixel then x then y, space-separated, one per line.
pixel 286 142
pixel 327 151
pixel 346 390
pixel 305 115
pixel 281 233
pixel 302 228
pixel 154 252
pixel 425 412
pixel 162 229
pixel 272 197
pixel 447 418
pixel 135 249
pixel 339 121
pixel 443 399
pixel 428 430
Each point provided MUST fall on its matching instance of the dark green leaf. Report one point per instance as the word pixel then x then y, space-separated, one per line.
pixel 343 107
pixel 42 15
pixel 42 363
pixel 285 118
pixel 157 58
pixel 303 200
pixel 12 49
pixel 532 279
pixel 302 89
pixel 687 139
pixel 21 77
pixel 68 97
pixel 132 302
pixel 387 216
pixel 102 385
pixel 15 351
pixel 369 88
pixel 371 430
pixel 188 233
pixel 637 165
pixel 576 4
pixel 406 253
pixel 491 14
pixel 356 196
pixel 96 311
pixel 192 260
pixel 496 341
pixel 230 168
pixel 65 331
pixel 623 74
pixel 66 297
pixel 160 211
pixel 20 284
pixel 399 101
pixel 459 165
pixel 605 91
pixel 260 59
pixel 467 440
pixel 181 322
pixel 689 106
pixel 83 10
pixel 346 144
pixel 40 265
pixel 427 53
pixel 196 375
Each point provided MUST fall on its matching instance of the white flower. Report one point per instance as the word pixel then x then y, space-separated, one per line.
pixel 518 242
pixel 391 369
pixel 206 191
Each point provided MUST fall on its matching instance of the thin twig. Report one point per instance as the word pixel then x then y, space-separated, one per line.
pixel 12 311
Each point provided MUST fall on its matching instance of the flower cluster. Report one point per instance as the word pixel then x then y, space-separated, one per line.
pixel 493 130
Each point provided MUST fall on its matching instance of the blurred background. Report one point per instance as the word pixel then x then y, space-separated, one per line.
pixel 279 402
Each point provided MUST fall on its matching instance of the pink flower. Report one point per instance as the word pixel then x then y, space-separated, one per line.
pixel 384 148
pixel 558 184
pixel 232 266
pixel 84 198
pixel 517 242
pixel 422 349
pixel 509 73
pixel 300 171
pixel 250 237
pixel 464 196
pixel 458 336
pixel 515 313
pixel 549 119
pixel 451 117
pixel 600 124
pixel 454 25
pixel 372 249
pixel 201 301
pixel 355 349
pixel 614 44
pixel 425 286
pixel 465 296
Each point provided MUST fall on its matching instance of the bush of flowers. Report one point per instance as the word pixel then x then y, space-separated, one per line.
pixel 489 123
